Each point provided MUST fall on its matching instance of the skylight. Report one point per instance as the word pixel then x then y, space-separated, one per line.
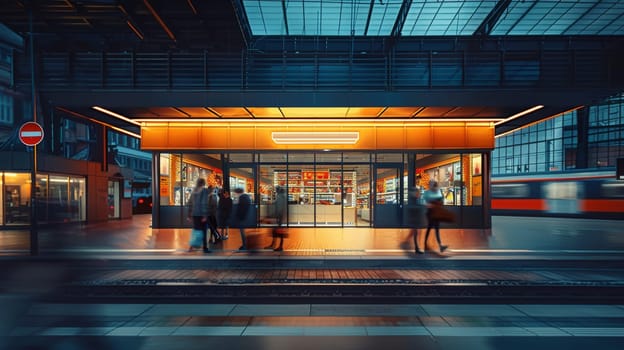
pixel 433 17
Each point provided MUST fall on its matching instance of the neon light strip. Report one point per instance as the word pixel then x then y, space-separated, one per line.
pixel 328 121
pixel 538 121
pixel 299 138
pixel 518 115
pixel 116 115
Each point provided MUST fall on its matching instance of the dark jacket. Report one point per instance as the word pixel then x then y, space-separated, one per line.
pixel 198 203
pixel 244 202
pixel 224 209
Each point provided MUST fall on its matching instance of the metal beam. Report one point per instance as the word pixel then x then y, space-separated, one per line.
pixel 159 20
pixel 370 14
pixel 485 28
pixel 192 6
pixel 9 37
pixel 243 22
pixel 132 24
pixel 400 20
pixel 468 97
pixel 285 15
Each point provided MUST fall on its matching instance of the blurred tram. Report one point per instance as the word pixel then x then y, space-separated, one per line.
pixel 587 194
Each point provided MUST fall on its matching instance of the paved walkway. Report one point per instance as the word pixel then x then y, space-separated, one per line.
pixel 518 235
pixel 527 283
pixel 147 326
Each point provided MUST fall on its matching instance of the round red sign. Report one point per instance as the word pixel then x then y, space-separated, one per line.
pixel 31 133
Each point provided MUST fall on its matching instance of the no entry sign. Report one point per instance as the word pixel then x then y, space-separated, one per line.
pixel 31 133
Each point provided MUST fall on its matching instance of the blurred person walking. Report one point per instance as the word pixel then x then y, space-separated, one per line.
pixel 224 211
pixel 242 209
pixel 280 214
pixel 416 211
pixel 213 203
pixel 434 199
pixel 198 212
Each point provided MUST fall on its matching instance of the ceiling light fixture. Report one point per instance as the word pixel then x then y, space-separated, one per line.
pixel 518 115
pixel 300 138
pixel 329 122
pixel 116 115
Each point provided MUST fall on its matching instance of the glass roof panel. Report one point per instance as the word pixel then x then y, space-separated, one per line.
pixel 433 17
pixel 265 17
pixel 426 17
pixel 383 17
pixel 561 17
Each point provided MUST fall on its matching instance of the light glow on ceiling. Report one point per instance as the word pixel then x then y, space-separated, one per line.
pixel 314 138
pixel 518 115
pixel 116 115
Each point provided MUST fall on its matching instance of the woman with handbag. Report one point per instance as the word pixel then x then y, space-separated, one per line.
pixel 434 199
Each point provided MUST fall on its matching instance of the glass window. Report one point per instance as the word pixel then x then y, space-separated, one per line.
pixel 273 157
pixel 356 157
pixel 389 157
pixel 301 157
pixel 472 180
pixel 329 157
pixel 58 198
pixel 169 175
pixel 16 198
pixel 241 157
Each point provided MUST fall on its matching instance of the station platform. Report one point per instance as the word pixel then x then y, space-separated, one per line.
pixel 527 282
pixel 519 259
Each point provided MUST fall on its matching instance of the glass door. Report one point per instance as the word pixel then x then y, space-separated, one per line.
pixel 360 176
pixel 388 195
pixel 328 184
pixel 113 199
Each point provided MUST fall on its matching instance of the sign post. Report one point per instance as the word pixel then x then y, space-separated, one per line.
pixel 31 134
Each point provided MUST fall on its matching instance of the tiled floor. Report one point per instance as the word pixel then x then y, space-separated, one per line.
pixel 437 320
pixel 519 234
pixel 132 252
pixel 71 326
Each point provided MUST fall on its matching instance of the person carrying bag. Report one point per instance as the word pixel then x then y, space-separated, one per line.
pixel 198 214
pixel 435 211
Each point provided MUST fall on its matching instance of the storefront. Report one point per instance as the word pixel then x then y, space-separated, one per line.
pixel 329 182
pixel 336 189
pixel 65 191
pixel 59 198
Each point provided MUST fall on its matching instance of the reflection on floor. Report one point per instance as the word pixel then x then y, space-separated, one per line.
pixel 434 320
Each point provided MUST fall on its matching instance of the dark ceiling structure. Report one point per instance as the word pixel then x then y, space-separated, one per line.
pixel 290 59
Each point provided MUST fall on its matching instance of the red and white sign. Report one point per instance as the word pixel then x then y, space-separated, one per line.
pixel 31 133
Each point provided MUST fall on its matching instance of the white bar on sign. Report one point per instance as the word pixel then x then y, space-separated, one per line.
pixel 31 133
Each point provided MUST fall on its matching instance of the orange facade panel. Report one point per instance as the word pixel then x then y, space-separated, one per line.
pixel 184 137
pixel 449 137
pixel 418 138
pixel 479 137
pixel 373 135
pixel 390 137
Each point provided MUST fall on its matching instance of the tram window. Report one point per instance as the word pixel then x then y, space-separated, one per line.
pixel 561 190
pixel 612 190
pixel 510 190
